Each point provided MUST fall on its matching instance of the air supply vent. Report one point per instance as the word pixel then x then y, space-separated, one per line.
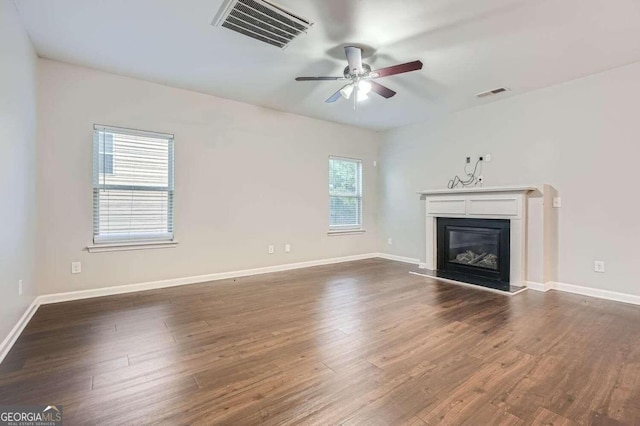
pixel 261 20
pixel 492 92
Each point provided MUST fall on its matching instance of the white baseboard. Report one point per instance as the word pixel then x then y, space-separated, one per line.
pixel 130 288
pixel 17 329
pixel 399 258
pixel 585 291
pixel 599 293
pixel 539 286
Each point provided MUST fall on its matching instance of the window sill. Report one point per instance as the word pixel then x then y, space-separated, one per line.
pixel 345 231
pixel 139 245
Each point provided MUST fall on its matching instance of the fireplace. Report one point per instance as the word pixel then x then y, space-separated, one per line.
pixel 474 251
pixel 520 226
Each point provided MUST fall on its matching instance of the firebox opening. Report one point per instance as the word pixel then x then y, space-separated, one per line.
pixel 475 251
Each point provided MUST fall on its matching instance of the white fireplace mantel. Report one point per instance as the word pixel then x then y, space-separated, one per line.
pixel 480 190
pixel 505 202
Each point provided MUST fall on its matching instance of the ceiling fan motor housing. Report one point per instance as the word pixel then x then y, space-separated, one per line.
pixel 366 69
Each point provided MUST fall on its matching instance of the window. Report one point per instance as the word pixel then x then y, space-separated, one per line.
pixel 132 185
pixel 345 193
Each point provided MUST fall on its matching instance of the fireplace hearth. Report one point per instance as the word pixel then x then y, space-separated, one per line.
pixel 475 251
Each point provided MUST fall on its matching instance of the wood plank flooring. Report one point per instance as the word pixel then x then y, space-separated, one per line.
pixel 355 343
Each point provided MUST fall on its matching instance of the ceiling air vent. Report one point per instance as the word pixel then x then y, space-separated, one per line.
pixel 492 92
pixel 261 20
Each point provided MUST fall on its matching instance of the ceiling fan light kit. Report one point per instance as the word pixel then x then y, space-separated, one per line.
pixel 364 87
pixel 360 77
pixel 346 91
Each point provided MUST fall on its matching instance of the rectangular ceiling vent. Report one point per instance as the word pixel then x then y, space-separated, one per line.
pixel 261 20
pixel 492 92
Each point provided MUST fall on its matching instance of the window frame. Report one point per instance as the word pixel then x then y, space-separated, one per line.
pixel 130 240
pixel 358 194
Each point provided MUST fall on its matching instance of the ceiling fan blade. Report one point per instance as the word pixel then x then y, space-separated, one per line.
pixel 319 78
pixel 381 90
pixel 397 69
pixel 354 57
pixel 334 97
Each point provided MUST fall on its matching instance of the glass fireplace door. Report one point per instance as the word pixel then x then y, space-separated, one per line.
pixel 474 246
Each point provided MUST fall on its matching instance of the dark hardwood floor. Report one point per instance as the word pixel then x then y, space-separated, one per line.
pixel 355 343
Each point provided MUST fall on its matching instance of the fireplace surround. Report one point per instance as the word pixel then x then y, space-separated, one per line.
pixel 532 232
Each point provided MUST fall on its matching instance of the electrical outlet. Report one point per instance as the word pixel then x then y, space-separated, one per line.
pixel 287 248
pixel 19 287
pixel 76 267
pixel 487 158
pixel 468 160
pixel 375 163
pixel 271 249
pixel 389 241
pixel 598 266
pixel 557 202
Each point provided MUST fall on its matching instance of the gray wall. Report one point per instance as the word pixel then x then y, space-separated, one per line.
pixel 582 137
pixel 17 167
pixel 246 177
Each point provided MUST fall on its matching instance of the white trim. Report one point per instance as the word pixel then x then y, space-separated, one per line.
pixel 566 288
pixel 586 291
pixel 598 293
pixel 17 329
pixel 480 189
pixel 539 286
pixel 141 245
pixel 135 132
pixel 399 258
pixel 337 157
pixel 345 231
pixel 129 288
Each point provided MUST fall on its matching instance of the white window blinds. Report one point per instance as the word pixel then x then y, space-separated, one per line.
pixel 345 193
pixel 132 185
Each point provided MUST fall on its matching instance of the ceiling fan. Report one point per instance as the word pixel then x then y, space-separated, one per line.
pixel 361 78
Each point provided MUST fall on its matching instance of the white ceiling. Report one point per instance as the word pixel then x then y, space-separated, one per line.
pixel 467 46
